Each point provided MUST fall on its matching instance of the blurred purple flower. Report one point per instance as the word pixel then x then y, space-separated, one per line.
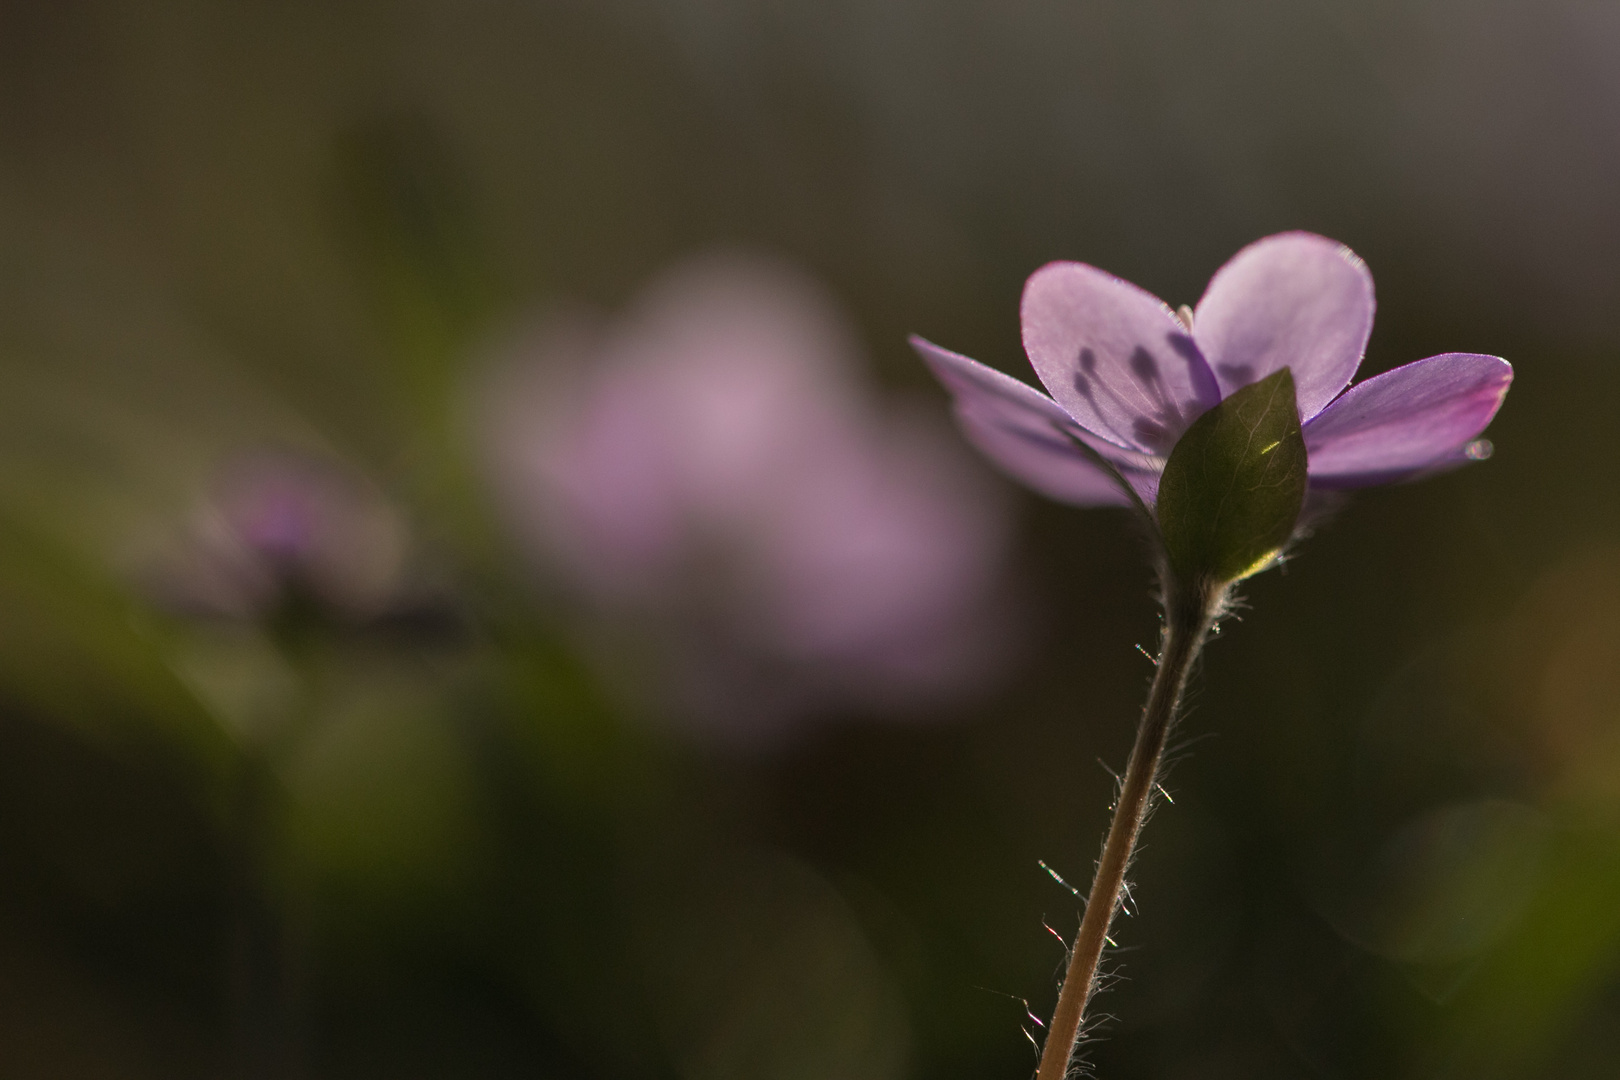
pixel 1128 375
pixel 276 525
pixel 711 465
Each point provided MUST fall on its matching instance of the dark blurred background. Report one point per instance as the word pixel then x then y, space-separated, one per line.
pixel 486 590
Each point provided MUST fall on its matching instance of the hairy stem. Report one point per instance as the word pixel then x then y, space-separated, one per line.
pixel 1190 609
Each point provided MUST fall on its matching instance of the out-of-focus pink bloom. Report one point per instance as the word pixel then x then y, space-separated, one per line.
pixel 275 524
pixel 711 465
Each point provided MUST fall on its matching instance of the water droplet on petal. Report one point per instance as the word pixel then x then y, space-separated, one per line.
pixel 1478 450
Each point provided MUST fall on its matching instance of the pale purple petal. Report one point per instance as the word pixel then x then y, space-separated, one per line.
pixel 1045 462
pixel 981 389
pixel 979 386
pixel 1031 437
pixel 881 541
pixel 1115 357
pixel 1294 300
pixel 1406 421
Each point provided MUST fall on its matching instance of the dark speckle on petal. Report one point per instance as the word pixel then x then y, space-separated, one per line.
pixel 1236 374
pixel 1088 361
pixel 1144 366
pixel 1184 347
pixel 1082 385
pixel 1151 434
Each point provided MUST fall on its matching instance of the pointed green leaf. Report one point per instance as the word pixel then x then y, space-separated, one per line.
pixel 1233 487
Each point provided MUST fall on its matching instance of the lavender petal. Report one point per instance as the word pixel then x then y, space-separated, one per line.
pixel 1407 421
pixel 1114 356
pixel 1295 299
pixel 1031 438
pixel 1050 465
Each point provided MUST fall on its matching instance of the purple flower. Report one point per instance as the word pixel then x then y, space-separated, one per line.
pixel 1128 375
pixel 275 523
pixel 711 470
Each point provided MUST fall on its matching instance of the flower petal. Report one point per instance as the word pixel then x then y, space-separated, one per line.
pixel 1405 421
pixel 979 388
pixel 1295 299
pixel 1030 437
pixel 1044 461
pixel 1115 357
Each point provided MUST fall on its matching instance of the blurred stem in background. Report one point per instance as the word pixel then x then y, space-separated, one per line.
pixel 265 945
pixel 269 909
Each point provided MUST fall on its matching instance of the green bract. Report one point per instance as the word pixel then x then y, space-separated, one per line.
pixel 1234 484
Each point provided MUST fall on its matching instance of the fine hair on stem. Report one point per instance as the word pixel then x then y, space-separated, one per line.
pixel 1190 610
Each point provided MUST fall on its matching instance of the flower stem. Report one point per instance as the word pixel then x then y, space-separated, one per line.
pixel 1190 611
